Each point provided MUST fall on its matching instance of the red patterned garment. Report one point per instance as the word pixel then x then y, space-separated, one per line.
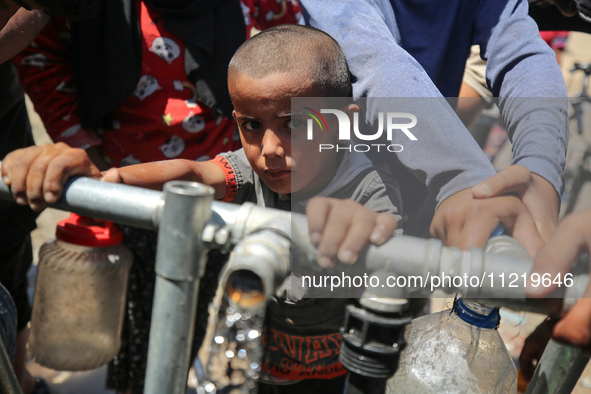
pixel 263 14
pixel 162 119
pixel 556 39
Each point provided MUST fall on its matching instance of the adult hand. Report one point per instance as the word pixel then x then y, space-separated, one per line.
pixel 36 175
pixel 343 228
pixel 465 222
pixel 537 194
pixel 572 237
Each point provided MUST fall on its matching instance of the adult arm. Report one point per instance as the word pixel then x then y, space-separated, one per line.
pixel 445 156
pixel 520 65
pixel 523 73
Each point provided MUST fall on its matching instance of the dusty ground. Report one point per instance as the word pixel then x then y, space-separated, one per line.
pixel 515 326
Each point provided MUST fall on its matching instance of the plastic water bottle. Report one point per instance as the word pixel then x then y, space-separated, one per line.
pixel 455 351
pixel 79 296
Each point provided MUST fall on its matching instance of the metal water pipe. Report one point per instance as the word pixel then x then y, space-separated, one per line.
pixel 179 267
pixel 180 213
pixel 258 265
pixel 402 255
pixel 558 370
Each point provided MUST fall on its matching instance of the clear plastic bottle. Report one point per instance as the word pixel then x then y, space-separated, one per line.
pixel 79 296
pixel 455 351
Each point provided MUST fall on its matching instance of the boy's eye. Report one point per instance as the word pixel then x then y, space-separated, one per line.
pixel 251 125
pixel 296 123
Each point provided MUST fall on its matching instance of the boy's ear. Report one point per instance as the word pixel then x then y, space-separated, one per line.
pixel 234 114
pixel 351 108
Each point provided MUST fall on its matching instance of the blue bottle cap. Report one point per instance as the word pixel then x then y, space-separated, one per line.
pixel 470 316
pixel 499 230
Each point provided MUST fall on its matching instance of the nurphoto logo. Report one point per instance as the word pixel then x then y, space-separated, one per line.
pixel 391 122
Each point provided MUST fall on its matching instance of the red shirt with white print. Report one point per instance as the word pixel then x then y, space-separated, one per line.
pixel 162 119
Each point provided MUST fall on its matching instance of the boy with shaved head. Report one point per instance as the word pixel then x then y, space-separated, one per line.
pixel 276 162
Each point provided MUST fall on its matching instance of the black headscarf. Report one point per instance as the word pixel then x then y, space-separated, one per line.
pixel 107 52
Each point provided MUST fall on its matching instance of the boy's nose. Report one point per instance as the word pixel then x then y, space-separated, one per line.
pixel 272 145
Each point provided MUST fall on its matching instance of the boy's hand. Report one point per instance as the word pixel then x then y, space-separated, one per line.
pixel 537 194
pixel 466 222
pixel 343 228
pixel 572 237
pixel 36 175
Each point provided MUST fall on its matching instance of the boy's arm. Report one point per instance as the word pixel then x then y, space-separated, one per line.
pixel 522 70
pixel 154 175
pixel 36 175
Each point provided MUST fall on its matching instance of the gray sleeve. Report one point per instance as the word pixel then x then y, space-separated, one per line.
pixel 532 90
pixel 243 172
pixel 376 189
pixel 381 193
pixel 445 157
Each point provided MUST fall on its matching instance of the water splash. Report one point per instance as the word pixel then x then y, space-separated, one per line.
pixel 236 352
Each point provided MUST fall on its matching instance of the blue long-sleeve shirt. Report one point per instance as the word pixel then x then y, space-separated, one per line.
pixel 418 48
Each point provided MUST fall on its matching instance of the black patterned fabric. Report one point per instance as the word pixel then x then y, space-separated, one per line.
pixel 127 370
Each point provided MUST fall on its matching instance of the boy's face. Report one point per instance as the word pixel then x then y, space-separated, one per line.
pixel 262 109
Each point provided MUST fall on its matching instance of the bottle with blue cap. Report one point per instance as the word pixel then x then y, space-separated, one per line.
pixel 455 351
pixel 79 296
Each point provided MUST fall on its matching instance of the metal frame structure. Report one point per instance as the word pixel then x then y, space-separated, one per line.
pixel 189 223
pixel 582 173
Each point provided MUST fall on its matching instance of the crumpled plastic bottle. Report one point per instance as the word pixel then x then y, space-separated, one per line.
pixel 455 351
